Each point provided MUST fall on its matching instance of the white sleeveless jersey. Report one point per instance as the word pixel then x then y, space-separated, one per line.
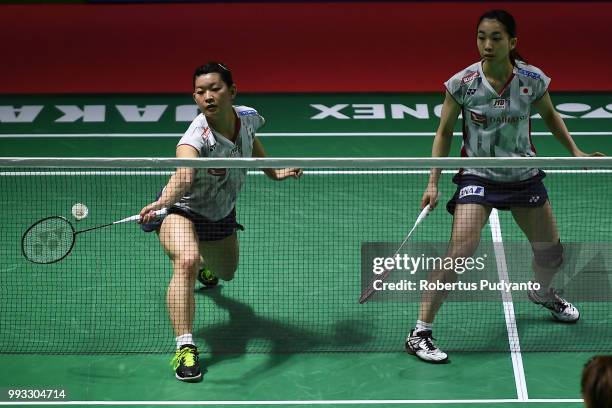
pixel 498 125
pixel 214 192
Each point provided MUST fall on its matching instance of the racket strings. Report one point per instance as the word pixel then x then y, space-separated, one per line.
pixel 48 241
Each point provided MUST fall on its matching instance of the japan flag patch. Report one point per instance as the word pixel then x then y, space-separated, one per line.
pixel 526 91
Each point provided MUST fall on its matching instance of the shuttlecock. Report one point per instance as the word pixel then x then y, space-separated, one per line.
pixel 79 211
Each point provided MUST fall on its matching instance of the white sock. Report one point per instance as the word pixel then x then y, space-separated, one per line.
pixel 421 326
pixel 184 339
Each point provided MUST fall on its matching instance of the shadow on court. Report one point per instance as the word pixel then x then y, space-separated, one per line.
pixel 231 339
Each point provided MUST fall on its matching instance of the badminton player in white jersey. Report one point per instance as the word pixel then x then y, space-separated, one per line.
pixel 495 96
pixel 201 223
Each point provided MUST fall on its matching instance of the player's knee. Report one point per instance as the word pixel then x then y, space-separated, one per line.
pixel 550 257
pixel 226 272
pixel 459 254
pixel 228 276
pixel 187 262
pixel 462 249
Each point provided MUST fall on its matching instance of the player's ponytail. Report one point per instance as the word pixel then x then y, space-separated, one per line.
pixel 507 21
pixel 515 56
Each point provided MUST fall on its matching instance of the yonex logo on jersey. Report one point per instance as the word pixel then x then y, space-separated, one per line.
pixel 528 74
pixel 248 113
pixel 469 77
pixel 526 91
pixel 478 119
pixel 471 191
pixel 501 103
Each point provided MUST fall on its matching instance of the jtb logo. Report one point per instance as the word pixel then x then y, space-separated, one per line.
pixel 500 103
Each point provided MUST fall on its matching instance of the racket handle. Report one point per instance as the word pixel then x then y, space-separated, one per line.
pixel 424 212
pixel 370 289
pixel 422 215
pixel 158 214
pixel 161 213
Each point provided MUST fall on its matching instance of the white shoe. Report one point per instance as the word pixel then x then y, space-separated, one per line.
pixel 421 345
pixel 560 308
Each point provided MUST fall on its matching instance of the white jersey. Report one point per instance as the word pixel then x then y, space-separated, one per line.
pixel 214 191
pixel 498 125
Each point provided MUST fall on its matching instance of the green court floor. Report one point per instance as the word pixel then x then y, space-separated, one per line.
pixel 253 373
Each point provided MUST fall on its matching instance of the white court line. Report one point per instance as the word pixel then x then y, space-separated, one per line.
pixel 513 338
pixel 264 134
pixel 86 172
pixel 302 402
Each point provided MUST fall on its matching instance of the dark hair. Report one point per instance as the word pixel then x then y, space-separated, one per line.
pixel 596 383
pixel 218 67
pixel 508 22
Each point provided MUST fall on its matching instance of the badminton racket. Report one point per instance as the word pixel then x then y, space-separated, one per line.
pixel 369 290
pixel 51 239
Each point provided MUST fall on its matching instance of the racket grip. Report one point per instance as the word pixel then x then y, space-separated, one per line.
pixel 424 212
pixel 422 215
pixel 161 213
pixel 158 214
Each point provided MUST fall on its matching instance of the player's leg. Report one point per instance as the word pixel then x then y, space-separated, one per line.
pixel 178 237
pixel 218 248
pixel 539 226
pixel 221 256
pixel 467 224
pixel 465 237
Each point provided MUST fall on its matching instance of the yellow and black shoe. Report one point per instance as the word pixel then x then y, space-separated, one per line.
pixel 186 364
pixel 207 278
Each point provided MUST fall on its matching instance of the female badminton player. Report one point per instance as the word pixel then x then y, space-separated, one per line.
pixel 495 95
pixel 201 223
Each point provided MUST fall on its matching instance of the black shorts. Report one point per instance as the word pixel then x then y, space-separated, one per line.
pixel 206 229
pixel 503 196
pixel 210 230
